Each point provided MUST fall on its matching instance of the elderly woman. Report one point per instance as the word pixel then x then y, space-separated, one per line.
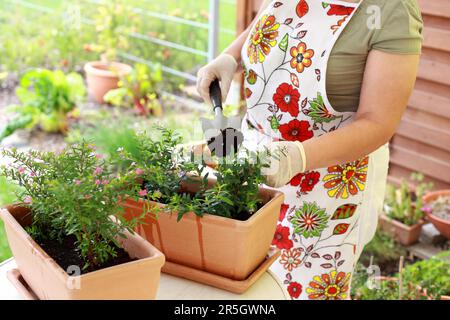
pixel 327 81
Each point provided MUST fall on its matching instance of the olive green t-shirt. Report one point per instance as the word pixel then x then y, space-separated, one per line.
pixel 400 32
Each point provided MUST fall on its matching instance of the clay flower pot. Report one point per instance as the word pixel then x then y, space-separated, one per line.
pixel 102 77
pixel 137 279
pixel 441 224
pixel 402 233
pixel 222 246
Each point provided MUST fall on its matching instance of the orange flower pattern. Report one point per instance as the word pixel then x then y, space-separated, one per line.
pixel 301 57
pixel 329 286
pixel 262 39
pixel 343 181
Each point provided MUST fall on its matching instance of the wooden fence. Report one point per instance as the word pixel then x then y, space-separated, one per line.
pixel 422 142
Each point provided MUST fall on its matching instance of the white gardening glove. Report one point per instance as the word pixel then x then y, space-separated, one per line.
pixel 222 68
pixel 286 159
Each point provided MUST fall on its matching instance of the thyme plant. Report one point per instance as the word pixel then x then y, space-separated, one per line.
pixel 73 194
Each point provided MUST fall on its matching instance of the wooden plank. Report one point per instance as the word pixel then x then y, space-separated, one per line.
pixel 436 121
pixel 440 8
pixel 419 147
pixel 421 162
pixel 434 71
pixel 424 133
pixel 397 173
pixel 436 38
pixel 430 102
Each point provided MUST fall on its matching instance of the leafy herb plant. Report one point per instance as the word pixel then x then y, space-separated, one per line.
pixel 138 90
pixel 164 170
pixel 47 97
pixel 73 194
pixel 404 204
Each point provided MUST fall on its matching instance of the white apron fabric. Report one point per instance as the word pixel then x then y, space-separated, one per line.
pixel 329 214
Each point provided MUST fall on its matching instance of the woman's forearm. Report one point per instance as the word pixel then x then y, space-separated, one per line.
pixel 346 144
pixel 234 49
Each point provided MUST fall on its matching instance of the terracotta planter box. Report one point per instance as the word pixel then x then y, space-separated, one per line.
pixel 406 235
pixel 133 280
pixel 102 77
pixel 223 246
pixel 442 225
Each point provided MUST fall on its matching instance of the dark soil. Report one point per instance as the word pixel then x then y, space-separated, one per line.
pixel 66 254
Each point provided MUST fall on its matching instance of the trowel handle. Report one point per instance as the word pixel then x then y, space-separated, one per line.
pixel 216 95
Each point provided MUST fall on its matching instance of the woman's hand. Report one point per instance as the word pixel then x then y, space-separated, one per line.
pixel 222 68
pixel 286 160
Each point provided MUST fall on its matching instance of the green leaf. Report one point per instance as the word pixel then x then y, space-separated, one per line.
pixel 341 228
pixel 284 43
pixel 344 212
pixel 274 123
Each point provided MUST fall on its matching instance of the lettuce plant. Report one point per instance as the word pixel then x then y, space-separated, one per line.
pixel 73 194
pixel 47 97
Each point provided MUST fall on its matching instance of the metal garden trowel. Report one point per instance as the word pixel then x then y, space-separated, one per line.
pixel 223 135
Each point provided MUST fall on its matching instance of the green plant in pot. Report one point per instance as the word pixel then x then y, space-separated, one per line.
pixel 403 214
pixel 114 21
pixel 221 222
pixel 47 99
pixel 138 90
pixel 70 215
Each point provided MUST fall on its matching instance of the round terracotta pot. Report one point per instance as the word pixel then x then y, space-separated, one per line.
pixel 442 225
pixel 102 77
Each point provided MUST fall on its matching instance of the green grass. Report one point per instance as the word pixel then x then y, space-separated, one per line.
pixel 7 196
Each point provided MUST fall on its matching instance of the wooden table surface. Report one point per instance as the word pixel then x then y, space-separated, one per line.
pixel 173 288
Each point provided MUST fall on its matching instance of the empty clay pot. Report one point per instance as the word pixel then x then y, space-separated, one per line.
pixel 102 77
pixel 406 235
pixel 223 246
pixel 133 280
pixel 441 224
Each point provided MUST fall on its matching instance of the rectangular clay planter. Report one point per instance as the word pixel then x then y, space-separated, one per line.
pixel 406 235
pixel 133 280
pixel 223 246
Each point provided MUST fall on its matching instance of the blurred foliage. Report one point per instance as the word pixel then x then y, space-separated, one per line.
pixel 31 38
pixel 46 99
pixel 139 90
pixel 7 196
pixel 404 204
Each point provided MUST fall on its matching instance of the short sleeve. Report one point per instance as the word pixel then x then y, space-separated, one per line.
pixel 401 28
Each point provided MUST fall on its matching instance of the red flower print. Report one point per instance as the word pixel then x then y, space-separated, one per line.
pixel 286 98
pixel 281 239
pixel 296 130
pixel 295 290
pixel 309 181
pixel 283 211
pixel 338 10
pixel 295 181
pixel 301 57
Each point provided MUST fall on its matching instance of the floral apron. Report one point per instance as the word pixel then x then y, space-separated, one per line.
pixel 329 214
